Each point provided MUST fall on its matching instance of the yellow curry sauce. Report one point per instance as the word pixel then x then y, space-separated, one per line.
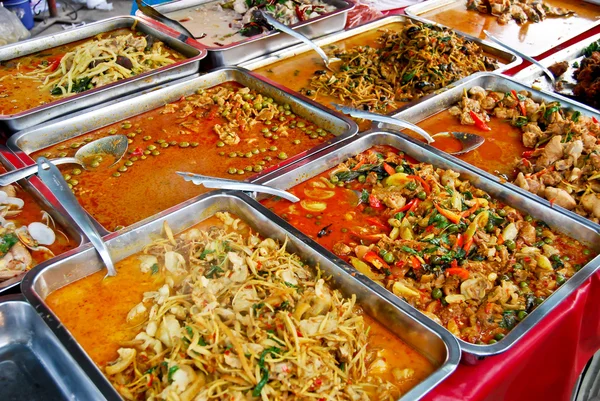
pixel 94 310
pixel 181 136
pixel 21 94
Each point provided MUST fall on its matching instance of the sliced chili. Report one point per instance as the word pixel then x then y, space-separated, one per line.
pixel 479 123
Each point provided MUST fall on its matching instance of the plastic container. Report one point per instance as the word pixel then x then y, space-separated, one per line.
pixel 22 8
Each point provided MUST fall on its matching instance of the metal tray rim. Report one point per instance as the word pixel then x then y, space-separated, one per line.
pixel 453 350
pixel 419 8
pixel 473 351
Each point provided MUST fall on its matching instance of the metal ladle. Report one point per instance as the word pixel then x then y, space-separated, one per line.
pixel 262 15
pixel 53 179
pixel 467 140
pixel 111 146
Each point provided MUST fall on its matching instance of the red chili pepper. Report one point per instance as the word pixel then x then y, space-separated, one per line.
pixel 358 165
pixel 389 169
pixel 374 202
pixel 594 119
pixel 459 241
pixel 318 382
pixel 376 222
pixel 409 205
pixel 488 307
pixel 479 123
pixel 453 217
pixel 528 153
pixel 55 63
pixel 521 105
pixel 470 210
pixel 300 13
pixel 454 263
pixel 375 260
pixel 137 152
pixel 458 271
pixel 552 202
pixel 430 228
pixel 151 379
pixel 468 244
pixel 500 239
pixel 416 263
pixel 424 184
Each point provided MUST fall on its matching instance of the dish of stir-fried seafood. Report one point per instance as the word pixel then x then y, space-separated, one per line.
pixel 474 265
pixel 28 234
pixel 520 11
pixel 224 131
pixel 383 69
pixel 562 163
pixel 221 23
pixel 531 26
pixel 34 80
pixel 234 313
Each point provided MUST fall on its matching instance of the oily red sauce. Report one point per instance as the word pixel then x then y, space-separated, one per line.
pixel 530 38
pixel 94 309
pixel 499 153
pixel 32 212
pixel 150 184
pixel 18 95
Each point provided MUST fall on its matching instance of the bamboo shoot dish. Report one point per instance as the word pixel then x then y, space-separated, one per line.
pixel 562 160
pixel 28 234
pixel 232 313
pixel 384 69
pixel 225 131
pixel 34 80
pixel 469 262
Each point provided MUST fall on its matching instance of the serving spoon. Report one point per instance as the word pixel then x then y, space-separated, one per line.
pixel 157 15
pixel 223 183
pixel 467 140
pixel 113 146
pixel 544 69
pixel 261 15
pixel 53 179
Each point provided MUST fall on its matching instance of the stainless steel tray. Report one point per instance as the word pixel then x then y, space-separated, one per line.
pixel 238 52
pixel 425 337
pixel 533 75
pixel 284 54
pixel 9 161
pixel 29 118
pixel 309 168
pixel 26 142
pixel 417 10
pixel 431 105
pixel 33 363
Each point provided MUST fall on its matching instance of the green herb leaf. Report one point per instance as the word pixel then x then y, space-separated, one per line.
pixel 206 252
pixel 172 370
pixel 154 268
pixel 6 242
pixel 575 116
pixel 364 196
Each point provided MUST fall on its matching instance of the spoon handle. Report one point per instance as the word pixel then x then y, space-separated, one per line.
pixel 384 119
pixel 19 174
pixel 52 178
pixel 285 29
pixel 522 55
pixel 222 183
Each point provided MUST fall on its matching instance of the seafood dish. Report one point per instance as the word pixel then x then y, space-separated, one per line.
pixel 381 70
pixel 37 79
pixel 520 11
pixel 224 22
pixel 561 161
pixel 471 263
pixel 28 234
pixel 225 131
pixel 217 310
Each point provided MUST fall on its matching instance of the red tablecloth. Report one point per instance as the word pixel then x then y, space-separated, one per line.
pixel 546 363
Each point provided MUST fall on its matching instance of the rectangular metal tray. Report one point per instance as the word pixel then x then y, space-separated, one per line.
pixel 309 168
pixel 436 345
pixel 284 54
pixel 29 118
pixel 431 105
pixel 418 9
pixel 533 75
pixel 256 46
pixel 33 363
pixel 26 142
pixel 10 162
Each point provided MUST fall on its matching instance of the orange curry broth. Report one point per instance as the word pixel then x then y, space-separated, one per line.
pixel 150 186
pixel 528 37
pixel 98 322
pixel 499 153
pixel 32 212
pixel 302 68
pixel 18 95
